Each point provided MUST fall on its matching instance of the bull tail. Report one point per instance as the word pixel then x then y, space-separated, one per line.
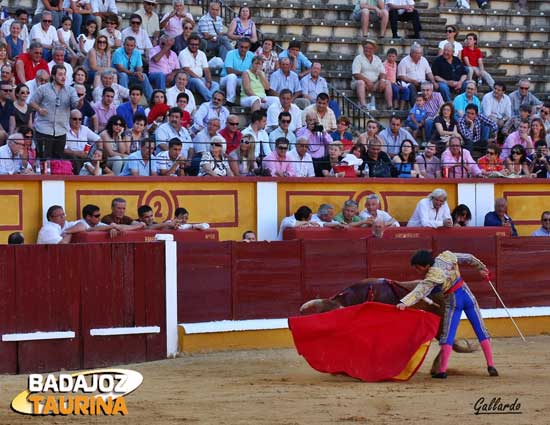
pixel 465 346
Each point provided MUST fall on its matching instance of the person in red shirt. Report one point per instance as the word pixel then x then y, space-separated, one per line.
pixel 491 162
pixel 472 58
pixel 28 64
pixel 231 133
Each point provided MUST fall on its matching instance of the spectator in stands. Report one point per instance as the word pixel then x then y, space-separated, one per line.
pixel 254 87
pixel 284 78
pixel 499 217
pixel 114 36
pixel 10 156
pixel 299 63
pixel 42 77
pixel 105 109
pixel 181 79
pixel 394 135
pixel 146 216
pixel 242 160
pixel 28 64
pixel 257 130
pixel 285 105
pixel 429 164
pixel 457 162
pixel 98 58
pixel 173 129
pixel 7 73
pixel 211 29
pixel 404 162
pixel 15 44
pixel 300 218
pixel 413 70
pixel 513 123
pixel 367 10
pixel 325 115
pixel 325 217
pixel 137 132
pixel 400 90
pixel 143 42
pixel 271 60
pixel 449 73
pixel 172 162
pixel 349 214
pixel 231 133
pixel 181 221
pixel 545 116
pixel 544 229
pixel 452 34
pixel 469 97
pixel 142 162
pixel 249 236
pixel 519 137
pixel 105 10
pixel 53 103
pixel 434 101
pixel 214 163
pixel 378 162
pixel 21 16
pixel 16 238
pixel 497 106
pixel 404 11
pixel 476 129
pixel 522 96
pixel 461 216
pixel 6 109
pixel 416 120
pixel 163 63
pixel 242 26
pixel 301 159
pixel 45 33
pixel 172 23
pixel 491 163
pixel 540 161
pixel 313 84
pixel 58 58
pixel 118 213
pixel 537 131
pixel 115 145
pixel 80 139
pixel 373 131
pixel 127 110
pixel 129 65
pixel 57 229
pixel 236 62
pixel 212 109
pixel 342 133
pixel 201 141
pixel 107 81
pixel 517 164
pixel 432 211
pixel 327 166
pixel 472 58
pixel 372 212
pixel 87 39
pixel 194 63
pixel 318 137
pixel 150 19
pixel 278 162
pixel 283 130
pixel 67 40
pixel 369 77
pixel 182 41
pixel 96 164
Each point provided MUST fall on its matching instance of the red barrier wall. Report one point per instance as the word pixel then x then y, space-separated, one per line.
pixel 80 287
pixel 146 236
pixel 236 280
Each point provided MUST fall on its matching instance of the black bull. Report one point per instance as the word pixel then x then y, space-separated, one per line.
pixel 387 292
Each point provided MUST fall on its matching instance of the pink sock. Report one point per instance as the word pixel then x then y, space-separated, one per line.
pixel 446 350
pixel 486 346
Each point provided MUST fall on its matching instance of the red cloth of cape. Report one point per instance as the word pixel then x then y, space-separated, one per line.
pixel 370 341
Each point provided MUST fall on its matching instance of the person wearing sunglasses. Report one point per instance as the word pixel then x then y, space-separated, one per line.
pixel 283 130
pixel 79 139
pixel 523 96
pixel 45 33
pixel 57 230
pixel 452 33
pixel 544 229
pixel 150 20
pixel 91 222
pixel 143 42
pixel 129 65
pixel 279 162
pixel 10 156
pixel 517 162
pixel 232 133
pixel 540 161
pixel 242 160
pixel 490 163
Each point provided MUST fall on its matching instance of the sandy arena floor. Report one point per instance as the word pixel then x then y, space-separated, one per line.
pixel 278 387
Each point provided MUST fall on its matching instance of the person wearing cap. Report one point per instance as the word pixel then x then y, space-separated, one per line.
pixel 150 20
pixel 369 76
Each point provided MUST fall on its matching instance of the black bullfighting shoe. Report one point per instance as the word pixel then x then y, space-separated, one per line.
pixel 440 375
pixel 492 371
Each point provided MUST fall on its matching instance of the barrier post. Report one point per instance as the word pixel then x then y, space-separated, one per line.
pixel 171 285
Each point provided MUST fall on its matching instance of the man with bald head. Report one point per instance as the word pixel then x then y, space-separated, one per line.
pixel 449 73
pixel 499 217
pixel 413 69
pixel 10 156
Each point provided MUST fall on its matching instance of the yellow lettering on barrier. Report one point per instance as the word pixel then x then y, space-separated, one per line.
pixel 35 399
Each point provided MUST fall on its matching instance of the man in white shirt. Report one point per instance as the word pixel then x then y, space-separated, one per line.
pixel 284 105
pixel 79 140
pixel 104 8
pixel 256 129
pixel 171 162
pixel 150 19
pixel 173 129
pixel 432 211
pixel 58 58
pixel 201 141
pixel 496 105
pixel 181 79
pixel 143 42
pixel 10 156
pixel 45 33
pixel 108 80
pixel 414 69
pixel 372 212
pixel 301 159
pixel 57 229
pixel 325 217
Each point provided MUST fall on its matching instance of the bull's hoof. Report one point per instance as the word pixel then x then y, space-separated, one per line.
pixel 492 371
pixel 440 375
pixel 319 306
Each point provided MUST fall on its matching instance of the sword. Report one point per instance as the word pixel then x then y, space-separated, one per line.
pixel 507 311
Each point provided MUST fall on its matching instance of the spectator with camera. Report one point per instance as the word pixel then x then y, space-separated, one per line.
pixel 316 134
pixel 540 161
pixel 324 114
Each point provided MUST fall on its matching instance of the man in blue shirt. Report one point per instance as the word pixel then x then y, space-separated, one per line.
pixel 142 162
pixel 236 62
pixel 129 65
pixel 299 63
pixel 127 110
pixel 499 217
pixel 544 229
